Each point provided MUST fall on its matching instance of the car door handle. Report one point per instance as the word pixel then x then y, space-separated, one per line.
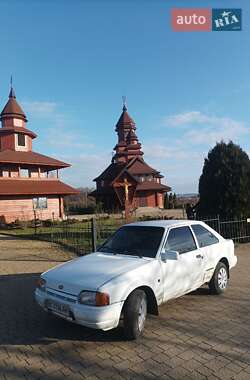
pixel 199 256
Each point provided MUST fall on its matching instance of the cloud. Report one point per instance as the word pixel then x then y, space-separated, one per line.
pixel 186 118
pixel 51 111
pixel 85 167
pixel 40 109
pixel 206 129
pixel 68 139
pixel 176 150
pixel 63 139
pixel 180 156
pixel 60 129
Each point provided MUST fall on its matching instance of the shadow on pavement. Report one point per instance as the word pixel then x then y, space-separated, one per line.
pixel 204 291
pixel 24 322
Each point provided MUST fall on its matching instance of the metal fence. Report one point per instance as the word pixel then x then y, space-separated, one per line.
pixel 79 236
pixel 83 237
pixel 238 230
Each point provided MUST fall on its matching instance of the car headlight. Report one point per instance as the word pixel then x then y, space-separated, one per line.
pixel 93 298
pixel 41 283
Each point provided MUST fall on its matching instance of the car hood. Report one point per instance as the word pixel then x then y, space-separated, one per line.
pixel 90 272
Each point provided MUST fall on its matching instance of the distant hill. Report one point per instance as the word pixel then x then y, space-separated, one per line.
pixel 187 195
pixel 184 199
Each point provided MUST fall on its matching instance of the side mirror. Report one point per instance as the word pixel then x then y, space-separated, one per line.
pixel 169 255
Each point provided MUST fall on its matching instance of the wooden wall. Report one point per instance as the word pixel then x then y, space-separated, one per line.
pixel 13 208
pixel 8 142
pixel 148 199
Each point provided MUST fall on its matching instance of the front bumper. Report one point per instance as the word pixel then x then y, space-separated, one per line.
pixel 96 317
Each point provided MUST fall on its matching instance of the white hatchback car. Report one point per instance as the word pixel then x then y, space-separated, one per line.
pixel 137 269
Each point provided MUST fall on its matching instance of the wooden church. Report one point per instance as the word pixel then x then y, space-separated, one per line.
pixel 129 180
pixel 29 182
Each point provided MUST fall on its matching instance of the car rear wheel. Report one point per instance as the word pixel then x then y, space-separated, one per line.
pixel 219 281
pixel 135 312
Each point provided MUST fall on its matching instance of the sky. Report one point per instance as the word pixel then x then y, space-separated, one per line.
pixel 72 61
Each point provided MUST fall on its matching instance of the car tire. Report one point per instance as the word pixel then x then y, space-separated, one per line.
pixel 219 281
pixel 134 316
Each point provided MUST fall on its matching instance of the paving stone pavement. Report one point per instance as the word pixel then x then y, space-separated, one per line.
pixel 198 336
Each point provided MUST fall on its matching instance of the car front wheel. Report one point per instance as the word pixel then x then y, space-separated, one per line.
pixel 135 312
pixel 219 281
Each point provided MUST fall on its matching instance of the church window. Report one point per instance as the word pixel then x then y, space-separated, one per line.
pixel 17 122
pixel 21 139
pixel 24 172
pixel 52 174
pixel 5 173
pixel 40 203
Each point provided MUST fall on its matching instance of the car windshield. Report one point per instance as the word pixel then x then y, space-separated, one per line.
pixel 142 241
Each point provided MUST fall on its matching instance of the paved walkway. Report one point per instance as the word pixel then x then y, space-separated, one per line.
pixel 198 336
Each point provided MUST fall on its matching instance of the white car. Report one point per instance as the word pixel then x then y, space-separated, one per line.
pixel 137 269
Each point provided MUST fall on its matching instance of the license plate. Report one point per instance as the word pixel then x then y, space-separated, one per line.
pixel 58 307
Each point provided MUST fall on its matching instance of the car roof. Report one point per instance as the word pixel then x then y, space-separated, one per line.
pixel 165 223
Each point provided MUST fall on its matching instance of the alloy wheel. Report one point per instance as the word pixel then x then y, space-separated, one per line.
pixel 142 314
pixel 222 278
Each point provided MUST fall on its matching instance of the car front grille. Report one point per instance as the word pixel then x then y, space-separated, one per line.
pixel 61 296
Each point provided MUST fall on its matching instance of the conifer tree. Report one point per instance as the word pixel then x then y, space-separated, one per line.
pixel 170 200
pixel 174 201
pixel 224 184
pixel 166 201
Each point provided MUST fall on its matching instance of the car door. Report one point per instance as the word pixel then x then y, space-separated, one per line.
pixel 184 274
pixel 209 249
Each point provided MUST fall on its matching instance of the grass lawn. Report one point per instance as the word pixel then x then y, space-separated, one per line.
pixel 77 236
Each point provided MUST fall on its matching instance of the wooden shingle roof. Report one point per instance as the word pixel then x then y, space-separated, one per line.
pixel 125 119
pixel 19 186
pixel 139 166
pixel 150 185
pixel 12 108
pixel 30 158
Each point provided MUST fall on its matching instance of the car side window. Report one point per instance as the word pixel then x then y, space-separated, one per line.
pixel 180 239
pixel 204 236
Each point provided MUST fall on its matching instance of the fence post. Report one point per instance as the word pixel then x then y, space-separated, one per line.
pixel 52 231
pixel 93 234
pixel 34 211
pixel 218 217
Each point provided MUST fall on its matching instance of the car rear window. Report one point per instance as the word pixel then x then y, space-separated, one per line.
pixel 204 236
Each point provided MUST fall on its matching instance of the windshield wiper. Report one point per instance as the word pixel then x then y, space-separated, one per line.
pixel 108 250
pixel 125 252
pixel 131 253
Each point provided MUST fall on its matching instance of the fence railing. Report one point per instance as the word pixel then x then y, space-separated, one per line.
pixel 238 230
pixel 83 237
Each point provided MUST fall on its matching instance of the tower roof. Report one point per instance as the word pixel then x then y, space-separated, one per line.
pixel 125 119
pixel 12 108
pixel 128 145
